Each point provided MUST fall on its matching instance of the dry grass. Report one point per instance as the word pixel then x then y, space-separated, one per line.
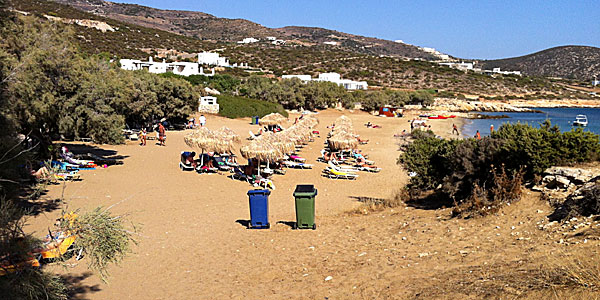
pixel 371 205
pixel 558 275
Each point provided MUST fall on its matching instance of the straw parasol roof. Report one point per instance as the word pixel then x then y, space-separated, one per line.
pixel 261 150
pixel 343 140
pixel 228 134
pixel 309 121
pixel 343 120
pixel 272 119
pixel 207 141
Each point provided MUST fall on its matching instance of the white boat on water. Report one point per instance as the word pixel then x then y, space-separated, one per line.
pixel 580 120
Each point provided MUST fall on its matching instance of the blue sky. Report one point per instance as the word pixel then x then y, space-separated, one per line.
pixel 467 29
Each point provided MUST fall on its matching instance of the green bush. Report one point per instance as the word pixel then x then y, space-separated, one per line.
pixel 240 107
pixel 479 175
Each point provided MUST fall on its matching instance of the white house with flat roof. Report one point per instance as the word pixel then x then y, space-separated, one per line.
pixel 332 77
pixel 179 68
pixel 212 59
pixel 248 40
pixel 208 104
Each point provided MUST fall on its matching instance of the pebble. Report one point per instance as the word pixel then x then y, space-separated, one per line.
pixel 328 278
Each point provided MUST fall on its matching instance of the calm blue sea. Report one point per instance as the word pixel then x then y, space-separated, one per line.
pixel 563 117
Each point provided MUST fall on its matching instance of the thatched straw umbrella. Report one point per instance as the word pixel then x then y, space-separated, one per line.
pixel 342 120
pixel 206 140
pixel 309 121
pixel 262 151
pixel 228 134
pixel 272 119
pixel 342 140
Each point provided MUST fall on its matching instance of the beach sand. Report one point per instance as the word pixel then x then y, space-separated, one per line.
pixel 192 244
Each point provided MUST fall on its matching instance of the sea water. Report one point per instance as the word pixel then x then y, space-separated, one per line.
pixel 563 117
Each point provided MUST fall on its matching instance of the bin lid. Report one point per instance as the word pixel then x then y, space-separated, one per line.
pixel 305 190
pixel 256 192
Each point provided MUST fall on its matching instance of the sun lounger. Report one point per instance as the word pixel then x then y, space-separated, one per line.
pixel 297 158
pixel 184 164
pixel 221 164
pixel 266 183
pixel 63 176
pixel 238 174
pixel 297 165
pixel 335 174
pixel 252 136
pixel 333 165
pixel 366 168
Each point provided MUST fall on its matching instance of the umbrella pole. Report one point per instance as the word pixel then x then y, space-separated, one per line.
pixel 259 168
pixel 202 159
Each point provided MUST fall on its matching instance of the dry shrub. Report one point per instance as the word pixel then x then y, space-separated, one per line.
pixel 370 204
pixel 505 188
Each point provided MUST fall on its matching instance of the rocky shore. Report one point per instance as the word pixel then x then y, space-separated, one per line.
pixel 457 105
pixel 460 105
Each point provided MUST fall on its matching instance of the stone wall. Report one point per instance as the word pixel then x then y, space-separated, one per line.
pixel 209 109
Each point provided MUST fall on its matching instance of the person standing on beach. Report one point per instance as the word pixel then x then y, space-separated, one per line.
pixel 491 128
pixel 455 129
pixel 202 120
pixel 161 134
pixel 478 135
pixel 143 134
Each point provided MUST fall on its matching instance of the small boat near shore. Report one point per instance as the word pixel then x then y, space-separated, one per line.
pixel 441 117
pixel 580 120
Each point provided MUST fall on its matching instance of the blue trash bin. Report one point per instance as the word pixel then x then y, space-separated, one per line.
pixel 259 209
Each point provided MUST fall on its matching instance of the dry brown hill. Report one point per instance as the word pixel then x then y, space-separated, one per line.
pixel 208 27
pixel 580 62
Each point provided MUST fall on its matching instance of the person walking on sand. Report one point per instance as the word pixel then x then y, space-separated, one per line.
pixel 478 135
pixel 202 120
pixel 161 134
pixel 143 134
pixel 455 129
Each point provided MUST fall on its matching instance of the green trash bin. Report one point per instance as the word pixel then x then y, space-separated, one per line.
pixel 305 206
pixel 255 120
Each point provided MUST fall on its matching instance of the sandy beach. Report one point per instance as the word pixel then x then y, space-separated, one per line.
pixel 193 245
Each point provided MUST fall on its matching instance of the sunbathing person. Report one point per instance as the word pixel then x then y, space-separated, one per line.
pixel 189 160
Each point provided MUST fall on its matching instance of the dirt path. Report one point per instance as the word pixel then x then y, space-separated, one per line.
pixel 194 247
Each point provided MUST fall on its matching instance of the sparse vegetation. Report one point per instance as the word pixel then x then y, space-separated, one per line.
pixel 481 175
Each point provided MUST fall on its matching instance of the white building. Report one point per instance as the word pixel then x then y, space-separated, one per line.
pixel 248 40
pixel 208 104
pixel 595 82
pixel 498 71
pixel 212 59
pixel 330 43
pixel 179 68
pixel 332 77
pixel 278 42
pixel 304 78
pixel 271 38
pixel 461 65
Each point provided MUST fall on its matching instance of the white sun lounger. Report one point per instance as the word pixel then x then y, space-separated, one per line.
pixel 297 165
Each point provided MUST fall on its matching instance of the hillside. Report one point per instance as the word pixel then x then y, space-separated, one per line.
pixel 208 27
pixel 126 41
pixel 135 41
pixel 579 62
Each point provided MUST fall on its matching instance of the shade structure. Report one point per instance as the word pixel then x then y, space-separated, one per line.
pixel 272 119
pixel 208 141
pixel 228 134
pixel 298 133
pixel 342 120
pixel 309 121
pixel 342 140
pixel 261 151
